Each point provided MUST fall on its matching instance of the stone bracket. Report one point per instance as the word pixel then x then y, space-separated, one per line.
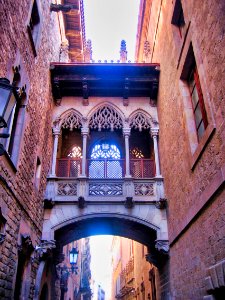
pixel 161 203
pixel 162 246
pixel 216 278
pixel 44 250
pixel 129 202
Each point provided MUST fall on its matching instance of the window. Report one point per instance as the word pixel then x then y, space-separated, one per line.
pixel 9 143
pixel 33 27
pixel 38 172
pixel 75 152
pixel 105 161
pixel 190 75
pixel 178 16
pixel 198 105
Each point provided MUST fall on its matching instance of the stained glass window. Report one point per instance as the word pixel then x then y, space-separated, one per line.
pixel 105 151
pixel 105 162
pixel 136 153
pixel 75 152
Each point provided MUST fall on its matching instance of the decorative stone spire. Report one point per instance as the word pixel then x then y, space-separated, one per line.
pixel 88 51
pixel 123 51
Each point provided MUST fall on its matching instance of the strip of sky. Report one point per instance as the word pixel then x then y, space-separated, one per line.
pixel 107 23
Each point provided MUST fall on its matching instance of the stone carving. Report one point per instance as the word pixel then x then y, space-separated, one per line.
pixel 105 118
pixel 162 246
pixel 123 51
pixel 45 248
pixel 114 189
pixel 71 121
pixel 162 203
pixel 140 121
pixel 144 189
pixel 67 189
pixel 129 202
pixel 216 278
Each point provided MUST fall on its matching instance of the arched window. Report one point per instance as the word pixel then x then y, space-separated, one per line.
pixel 136 153
pixel 75 152
pixel 105 150
pixel 105 161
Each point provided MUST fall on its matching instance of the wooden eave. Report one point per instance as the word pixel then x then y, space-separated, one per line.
pixel 107 80
pixel 74 30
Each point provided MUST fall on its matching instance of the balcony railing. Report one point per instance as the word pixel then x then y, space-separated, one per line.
pixel 68 167
pixel 142 168
pixel 106 168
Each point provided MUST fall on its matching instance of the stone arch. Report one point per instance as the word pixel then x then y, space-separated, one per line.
pixel 150 219
pixel 71 119
pixel 105 116
pixel 140 119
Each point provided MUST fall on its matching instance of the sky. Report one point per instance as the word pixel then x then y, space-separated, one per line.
pixel 101 261
pixel 107 22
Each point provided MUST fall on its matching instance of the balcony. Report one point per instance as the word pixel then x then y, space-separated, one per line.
pixel 105 168
pixel 105 180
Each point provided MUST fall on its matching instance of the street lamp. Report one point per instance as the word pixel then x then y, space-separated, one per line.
pixel 73 260
pixel 8 98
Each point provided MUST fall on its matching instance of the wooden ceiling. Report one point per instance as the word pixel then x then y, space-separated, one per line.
pixel 110 80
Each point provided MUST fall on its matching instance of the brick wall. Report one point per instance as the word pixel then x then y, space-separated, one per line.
pixel 20 199
pixel 194 181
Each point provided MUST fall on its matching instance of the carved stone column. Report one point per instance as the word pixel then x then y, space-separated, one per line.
pixel 126 133
pixel 154 134
pixel 84 133
pixel 56 133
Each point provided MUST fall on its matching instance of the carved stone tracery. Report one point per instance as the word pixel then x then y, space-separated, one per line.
pixel 105 118
pixel 67 189
pixel 71 121
pixel 108 189
pixel 144 189
pixel 140 121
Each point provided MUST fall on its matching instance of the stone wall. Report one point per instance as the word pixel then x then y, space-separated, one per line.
pixel 20 199
pixel 194 178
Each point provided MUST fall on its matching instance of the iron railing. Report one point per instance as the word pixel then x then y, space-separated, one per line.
pixel 142 168
pixel 68 167
pixel 106 168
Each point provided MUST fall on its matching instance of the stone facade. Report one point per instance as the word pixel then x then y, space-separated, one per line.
pixel 21 199
pixel 193 173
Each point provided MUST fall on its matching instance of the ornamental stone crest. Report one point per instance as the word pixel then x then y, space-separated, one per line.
pixel 105 118
pixel 144 189
pixel 67 189
pixel 71 121
pixel 105 189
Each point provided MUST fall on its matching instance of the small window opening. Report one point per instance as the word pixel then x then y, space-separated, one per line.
pixel 38 172
pixel 178 16
pixel 33 27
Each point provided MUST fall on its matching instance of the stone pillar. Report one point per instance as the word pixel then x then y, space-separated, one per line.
pixel 126 133
pixel 56 133
pixel 154 134
pixel 84 133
